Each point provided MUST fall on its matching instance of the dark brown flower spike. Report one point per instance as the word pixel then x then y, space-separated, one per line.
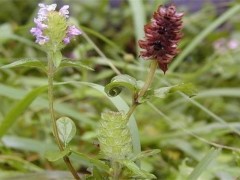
pixel 162 35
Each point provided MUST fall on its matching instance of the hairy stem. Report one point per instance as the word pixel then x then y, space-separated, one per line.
pixel 52 114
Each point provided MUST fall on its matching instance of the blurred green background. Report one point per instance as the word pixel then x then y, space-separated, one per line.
pixel 183 128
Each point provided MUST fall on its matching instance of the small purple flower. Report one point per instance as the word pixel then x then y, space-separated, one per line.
pixel 40 24
pixel 71 32
pixel 36 31
pixel 66 40
pixel 64 11
pixel 233 44
pixel 42 39
pixel 45 9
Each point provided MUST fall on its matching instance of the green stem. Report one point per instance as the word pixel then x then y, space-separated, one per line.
pixel 52 114
pixel 149 79
pixel 144 89
pixel 131 110
pixel 116 170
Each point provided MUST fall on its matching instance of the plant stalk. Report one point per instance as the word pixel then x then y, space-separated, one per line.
pixel 144 89
pixel 116 170
pixel 52 114
pixel 149 79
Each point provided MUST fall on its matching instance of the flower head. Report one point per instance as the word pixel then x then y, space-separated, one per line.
pixel 51 27
pixel 162 35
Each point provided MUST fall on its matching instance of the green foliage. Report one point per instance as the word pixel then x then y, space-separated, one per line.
pixel 114 88
pixel 56 155
pixel 70 63
pixel 14 112
pixel 203 164
pixel 138 173
pixel 25 63
pixel 94 162
pixel 186 88
pixel 182 127
pixel 66 129
pixel 57 58
pixel 146 153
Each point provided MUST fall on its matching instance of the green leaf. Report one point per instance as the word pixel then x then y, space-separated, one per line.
pixel 57 58
pixel 186 88
pixel 56 155
pixel 72 63
pixel 139 19
pixel 28 144
pixel 147 153
pixel 96 174
pixel 62 108
pixel 118 82
pixel 6 32
pixel 66 129
pixel 136 170
pixel 94 162
pixel 26 63
pixel 18 109
pixel 203 164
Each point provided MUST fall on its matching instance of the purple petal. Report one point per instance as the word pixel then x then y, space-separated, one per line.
pixel 42 40
pixel 50 7
pixel 45 9
pixel 39 24
pixel 73 31
pixel 64 11
pixel 36 31
pixel 66 40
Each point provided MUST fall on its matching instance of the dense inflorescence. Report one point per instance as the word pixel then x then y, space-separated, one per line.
pixel 114 136
pixel 162 35
pixel 51 26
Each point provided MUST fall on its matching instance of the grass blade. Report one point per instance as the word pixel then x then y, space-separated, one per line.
pixel 203 164
pixel 19 108
pixel 139 19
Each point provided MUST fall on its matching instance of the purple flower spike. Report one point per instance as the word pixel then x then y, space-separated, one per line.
pixel 64 11
pixel 43 22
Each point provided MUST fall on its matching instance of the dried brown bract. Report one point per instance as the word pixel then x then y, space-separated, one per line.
pixel 162 35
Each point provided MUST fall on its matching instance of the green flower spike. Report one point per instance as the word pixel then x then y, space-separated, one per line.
pixel 114 136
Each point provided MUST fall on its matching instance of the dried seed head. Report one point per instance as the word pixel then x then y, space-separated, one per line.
pixel 162 35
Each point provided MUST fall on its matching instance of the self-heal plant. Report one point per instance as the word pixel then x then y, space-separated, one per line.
pixel 117 139
pixel 162 35
pixel 53 32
